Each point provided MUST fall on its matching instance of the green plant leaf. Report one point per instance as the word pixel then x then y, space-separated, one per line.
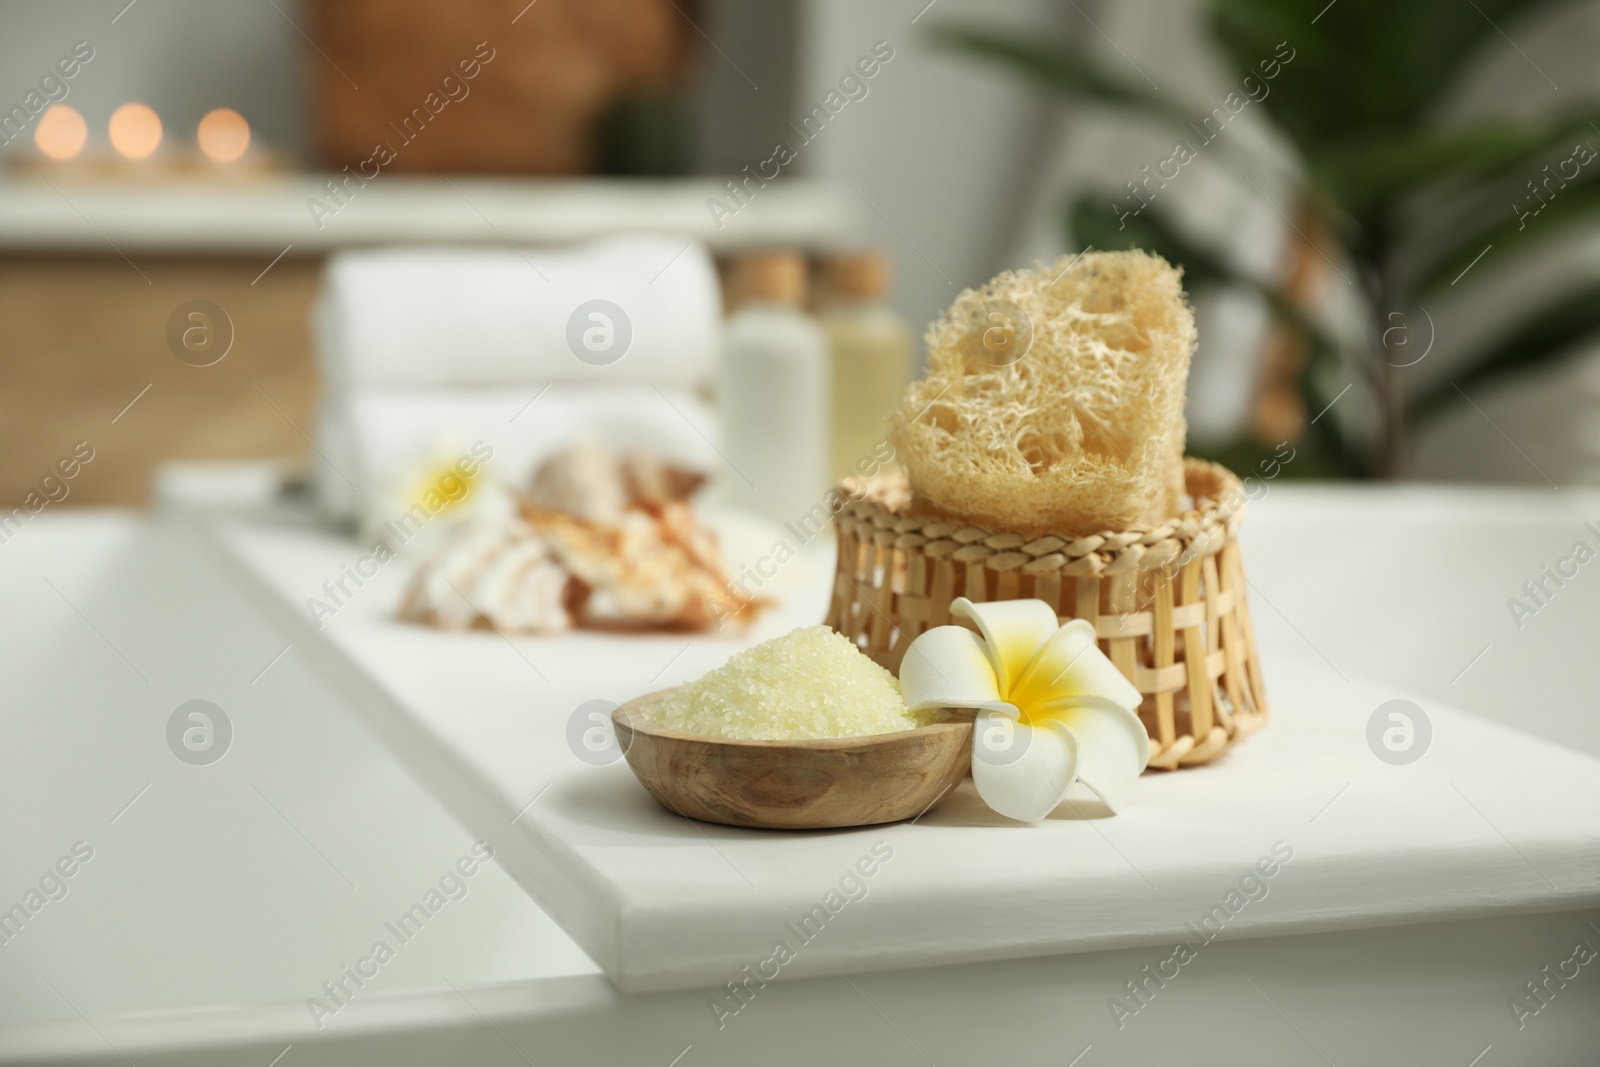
pixel 1511 237
pixel 1061 67
pixel 1373 171
pixel 1361 68
pixel 1541 339
pixel 1096 220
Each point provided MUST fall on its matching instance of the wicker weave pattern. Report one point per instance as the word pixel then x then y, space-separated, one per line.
pixel 1167 603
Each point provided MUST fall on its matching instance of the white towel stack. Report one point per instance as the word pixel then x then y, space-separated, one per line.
pixel 424 350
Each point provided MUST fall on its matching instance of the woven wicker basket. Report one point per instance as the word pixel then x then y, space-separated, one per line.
pixel 1168 603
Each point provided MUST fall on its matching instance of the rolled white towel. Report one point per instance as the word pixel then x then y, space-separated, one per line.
pixel 376 445
pixel 625 308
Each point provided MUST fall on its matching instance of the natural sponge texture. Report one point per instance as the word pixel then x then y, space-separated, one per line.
pixel 1081 432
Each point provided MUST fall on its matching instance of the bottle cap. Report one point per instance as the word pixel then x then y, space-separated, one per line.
pixel 859 274
pixel 774 275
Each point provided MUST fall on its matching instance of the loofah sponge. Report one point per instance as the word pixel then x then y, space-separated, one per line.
pixel 1053 398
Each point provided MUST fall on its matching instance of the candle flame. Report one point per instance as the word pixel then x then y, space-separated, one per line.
pixel 61 133
pixel 135 130
pixel 224 135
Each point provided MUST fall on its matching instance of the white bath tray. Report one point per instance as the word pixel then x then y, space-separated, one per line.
pixel 1488 821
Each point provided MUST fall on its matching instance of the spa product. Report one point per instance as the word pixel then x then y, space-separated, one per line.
pixel 809 683
pixel 1170 603
pixel 869 345
pixel 496 572
pixel 1053 399
pixel 774 392
pixel 582 479
pixel 1042 461
pixel 656 569
pixel 1051 708
pixel 599 541
pixel 793 785
pixel 586 480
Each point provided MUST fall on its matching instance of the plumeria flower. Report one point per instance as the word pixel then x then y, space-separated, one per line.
pixel 1051 708
pixel 421 497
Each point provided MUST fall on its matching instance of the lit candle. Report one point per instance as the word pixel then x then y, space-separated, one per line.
pixel 224 135
pixel 61 133
pixel 135 131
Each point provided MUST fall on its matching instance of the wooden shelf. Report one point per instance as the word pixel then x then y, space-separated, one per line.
pixel 77 214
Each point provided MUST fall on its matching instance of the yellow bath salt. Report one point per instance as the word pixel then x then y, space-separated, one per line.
pixel 810 683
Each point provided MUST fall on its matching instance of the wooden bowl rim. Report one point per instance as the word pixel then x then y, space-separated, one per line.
pixel 629 715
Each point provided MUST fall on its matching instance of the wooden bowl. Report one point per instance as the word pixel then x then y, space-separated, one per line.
pixel 793 785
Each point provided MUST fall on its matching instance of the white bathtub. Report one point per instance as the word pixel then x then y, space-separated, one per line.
pixel 219 898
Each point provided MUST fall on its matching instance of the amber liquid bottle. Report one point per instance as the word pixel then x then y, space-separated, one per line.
pixel 869 347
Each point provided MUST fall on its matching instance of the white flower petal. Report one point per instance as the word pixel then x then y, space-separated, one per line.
pixel 1022 771
pixel 1113 748
pixel 1013 631
pixel 1071 668
pixel 946 667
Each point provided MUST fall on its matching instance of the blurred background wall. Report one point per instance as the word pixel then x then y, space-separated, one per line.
pixel 179 56
pixel 956 166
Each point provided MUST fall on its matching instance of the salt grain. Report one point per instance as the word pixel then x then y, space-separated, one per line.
pixel 810 683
